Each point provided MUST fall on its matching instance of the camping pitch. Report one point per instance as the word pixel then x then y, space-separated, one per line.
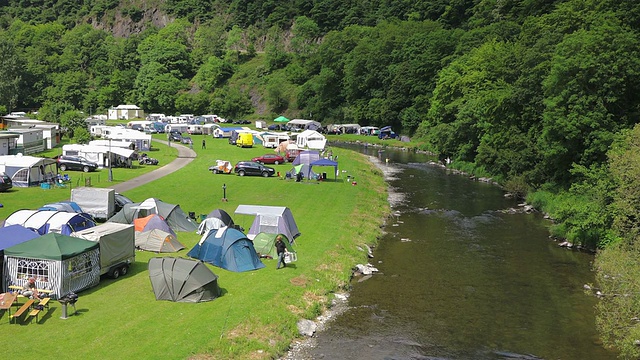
pixel 172 214
pixel 271 220
pixel 182 280
pixel 229 249
pixel 265 244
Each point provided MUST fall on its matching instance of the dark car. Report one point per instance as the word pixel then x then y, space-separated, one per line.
pixel 5 182
pixel 277 127
pixel 76 163
pixel 121 201
pixel 269 159
pixel 243 168
pixel 175 136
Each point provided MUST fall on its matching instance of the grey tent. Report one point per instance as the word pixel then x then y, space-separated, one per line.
pixel 222 215
pixel 182 280
pixel 172 214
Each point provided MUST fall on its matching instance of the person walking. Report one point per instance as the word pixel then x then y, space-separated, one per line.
pixel 281 248
pixel 204 144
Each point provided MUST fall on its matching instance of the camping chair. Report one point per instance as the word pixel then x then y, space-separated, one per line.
pixel 45 186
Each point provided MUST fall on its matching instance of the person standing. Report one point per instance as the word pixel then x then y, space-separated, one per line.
pixel 204 144
pixel 281 248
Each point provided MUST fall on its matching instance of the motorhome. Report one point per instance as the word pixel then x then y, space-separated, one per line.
pixel 194 129
pixel 272 140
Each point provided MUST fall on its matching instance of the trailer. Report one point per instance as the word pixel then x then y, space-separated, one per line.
pixel 117 246
pixel 97 202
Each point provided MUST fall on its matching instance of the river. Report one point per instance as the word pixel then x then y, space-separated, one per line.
pixel 461 278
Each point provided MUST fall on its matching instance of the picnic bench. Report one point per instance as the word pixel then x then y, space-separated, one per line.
pixel 23 308
pixel 42 304
pixel 19 288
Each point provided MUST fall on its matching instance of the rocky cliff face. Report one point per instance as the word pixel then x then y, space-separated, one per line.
pixel 123 26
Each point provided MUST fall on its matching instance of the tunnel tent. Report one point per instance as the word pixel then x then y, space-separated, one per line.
pixel 182 280
pixel 46 221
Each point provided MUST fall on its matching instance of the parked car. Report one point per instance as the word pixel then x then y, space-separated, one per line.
pixel 5 182
pixel 78 163
pixel 243 168
pixel 269 159
pixel 187 140
pixel 175 136
pixel 277 127
pixel 121 201
pixel 221 167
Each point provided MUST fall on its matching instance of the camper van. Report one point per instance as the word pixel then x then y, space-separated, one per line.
pixel 271 141
pixel 245 140
pixel 194 129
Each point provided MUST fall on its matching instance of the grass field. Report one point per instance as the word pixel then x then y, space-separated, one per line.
pixel 256 316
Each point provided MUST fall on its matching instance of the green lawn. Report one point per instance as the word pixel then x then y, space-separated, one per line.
pixel 256 316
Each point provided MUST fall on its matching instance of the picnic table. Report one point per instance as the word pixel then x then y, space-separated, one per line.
pixel 6 301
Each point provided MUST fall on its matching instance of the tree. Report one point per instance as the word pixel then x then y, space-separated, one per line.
pixel 213 74
pixel 10 75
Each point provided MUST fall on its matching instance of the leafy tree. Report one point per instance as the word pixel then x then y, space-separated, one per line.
pixel 156 88
pixel 585 103
pixel 232 102
pixel 10 75
pixel 213 74
pixel 188 103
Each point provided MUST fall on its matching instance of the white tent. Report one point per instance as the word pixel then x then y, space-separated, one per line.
pixel 46 221
pixel 26 171
pixel 311 139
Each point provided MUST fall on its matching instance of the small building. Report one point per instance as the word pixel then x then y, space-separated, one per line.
pixel 30 140
pixel 125 112
pixel 8 142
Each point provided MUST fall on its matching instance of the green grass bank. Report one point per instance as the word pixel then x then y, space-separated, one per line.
pixel 256 316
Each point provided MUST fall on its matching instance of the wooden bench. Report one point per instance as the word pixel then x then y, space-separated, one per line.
pixel 22 309
pixel 20 288
pixel 43 304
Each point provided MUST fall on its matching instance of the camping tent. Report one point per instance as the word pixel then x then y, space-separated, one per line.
pixel 172 214
pixel 182 280
pixel 311 139
pixel 26 171
pixel 281 119
pixel 215 220
pixel 157 240
pixel 59 263
pixel 9 236
pixel 227 248
pixel 304 169
pixel 271 220
pixel 116 243
pixel 153 221
pixel 68 206
pixel 326 162
pixel 45 221
pixel 265 244
pixel 306 157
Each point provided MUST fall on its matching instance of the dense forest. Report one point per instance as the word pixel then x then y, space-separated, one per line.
pixel 543 95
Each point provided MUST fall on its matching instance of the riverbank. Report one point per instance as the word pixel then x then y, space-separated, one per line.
pixel 300 349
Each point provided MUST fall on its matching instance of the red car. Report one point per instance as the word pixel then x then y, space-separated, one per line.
pixel 269 159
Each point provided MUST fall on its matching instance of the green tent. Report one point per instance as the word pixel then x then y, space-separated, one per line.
pixel 51 246
pixel 59 263
pixel 265 244
pixel 281 119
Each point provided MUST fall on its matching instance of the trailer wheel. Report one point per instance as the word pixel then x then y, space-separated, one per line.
pixel 115 273
pixel 124 270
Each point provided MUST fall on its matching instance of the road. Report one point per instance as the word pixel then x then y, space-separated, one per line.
pixel 185 156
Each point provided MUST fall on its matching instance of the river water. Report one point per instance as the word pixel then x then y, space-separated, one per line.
pixel 461 278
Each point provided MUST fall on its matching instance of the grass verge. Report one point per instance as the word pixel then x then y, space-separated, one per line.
pixel 256 316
